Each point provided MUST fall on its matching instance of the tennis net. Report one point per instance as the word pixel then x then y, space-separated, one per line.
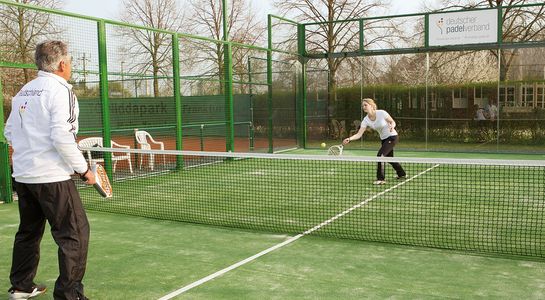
pixel 486 206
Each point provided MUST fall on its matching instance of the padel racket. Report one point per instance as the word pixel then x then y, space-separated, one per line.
pixel 102 185
pixel 336 150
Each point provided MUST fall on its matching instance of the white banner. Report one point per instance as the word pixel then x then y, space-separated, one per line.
pixel 468 27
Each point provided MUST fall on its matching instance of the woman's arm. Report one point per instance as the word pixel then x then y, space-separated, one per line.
pixel 391 123
pixel 355 136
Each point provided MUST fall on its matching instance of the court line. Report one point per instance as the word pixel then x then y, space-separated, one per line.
pixel 290 240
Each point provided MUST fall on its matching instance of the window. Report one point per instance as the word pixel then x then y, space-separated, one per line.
pixel 458 99
pixel 527 95
pixel 507 96
pixel 540 95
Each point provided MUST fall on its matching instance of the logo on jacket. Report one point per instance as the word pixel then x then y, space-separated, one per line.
pixel 22 110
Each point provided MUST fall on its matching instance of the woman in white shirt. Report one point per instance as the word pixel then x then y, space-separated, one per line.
pixel 383 123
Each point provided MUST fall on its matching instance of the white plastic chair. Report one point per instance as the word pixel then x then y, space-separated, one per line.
pixel 143 138
pixel 97 141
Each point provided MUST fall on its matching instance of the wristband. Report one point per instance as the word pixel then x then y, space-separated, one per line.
pixel 82 175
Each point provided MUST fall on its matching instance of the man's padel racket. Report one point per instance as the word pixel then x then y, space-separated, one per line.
pixel 102 185
pixel 336 150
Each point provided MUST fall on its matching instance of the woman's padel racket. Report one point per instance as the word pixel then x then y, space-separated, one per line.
pixel 336 150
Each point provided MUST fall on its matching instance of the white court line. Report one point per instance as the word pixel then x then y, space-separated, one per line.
pixel 288 241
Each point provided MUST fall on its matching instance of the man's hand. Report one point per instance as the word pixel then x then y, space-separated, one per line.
pixel 89 178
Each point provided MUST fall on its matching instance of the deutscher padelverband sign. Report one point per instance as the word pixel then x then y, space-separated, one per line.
pixel 468 27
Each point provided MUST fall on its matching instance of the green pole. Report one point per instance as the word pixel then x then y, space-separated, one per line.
pixel 302 105
pixel 427 44
pixel 251 127
pixel 426 30
pixel 500 52
pixel 5 175
pixel 361 36
pixel 500 26
pixel 302 95
pixel 228 66
pixel 177 97
pixel 250 74
pixel 269 85
pixel 104 97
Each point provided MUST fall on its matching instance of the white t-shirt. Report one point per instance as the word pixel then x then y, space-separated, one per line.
pixel 492 111
pixel 380 124
pixel 479 115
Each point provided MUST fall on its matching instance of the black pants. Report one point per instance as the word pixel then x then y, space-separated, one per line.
pixel 387 149
pixel 60 204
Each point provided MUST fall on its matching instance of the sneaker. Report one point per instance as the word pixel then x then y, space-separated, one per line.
pixel 81 297
pixel 37 290
pixel 401 177
pixel 377 182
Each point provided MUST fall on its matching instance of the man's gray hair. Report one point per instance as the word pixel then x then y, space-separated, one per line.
pixel 49 55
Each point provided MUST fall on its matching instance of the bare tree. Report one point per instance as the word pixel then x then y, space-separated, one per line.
pixel 519 24
pixel 243 27
pixel 21 29
pixel 150 51
pixel 329 36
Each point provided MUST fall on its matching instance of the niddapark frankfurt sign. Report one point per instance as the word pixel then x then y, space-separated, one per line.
pixel 460 28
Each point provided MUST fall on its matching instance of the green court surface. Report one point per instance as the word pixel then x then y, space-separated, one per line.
pixel 456 231
pixel 139 258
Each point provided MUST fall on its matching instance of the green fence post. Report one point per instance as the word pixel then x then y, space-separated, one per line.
pixel 361 37
pixel 177 98
pixel 104 97
pixel 229 115
pixel 269 86
pixel 250 127
pixel 500 43
pixel 427 31
pixel 251 133
pixel 228 63
pixel 6 193
pixel 5 175
pixel 302 95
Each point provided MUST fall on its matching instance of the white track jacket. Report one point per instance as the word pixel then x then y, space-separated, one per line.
pixel 42 130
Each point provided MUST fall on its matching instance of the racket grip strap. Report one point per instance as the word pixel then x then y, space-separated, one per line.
pixel 82 175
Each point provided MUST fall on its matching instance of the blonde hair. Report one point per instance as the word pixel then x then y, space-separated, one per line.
pixel 370 102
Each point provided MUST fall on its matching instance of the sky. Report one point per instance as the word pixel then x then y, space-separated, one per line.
pixel 108 9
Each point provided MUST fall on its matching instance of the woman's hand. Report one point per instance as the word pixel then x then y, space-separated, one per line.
pixel 346 141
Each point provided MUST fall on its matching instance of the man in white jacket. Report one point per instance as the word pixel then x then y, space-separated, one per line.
pixel 42 131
